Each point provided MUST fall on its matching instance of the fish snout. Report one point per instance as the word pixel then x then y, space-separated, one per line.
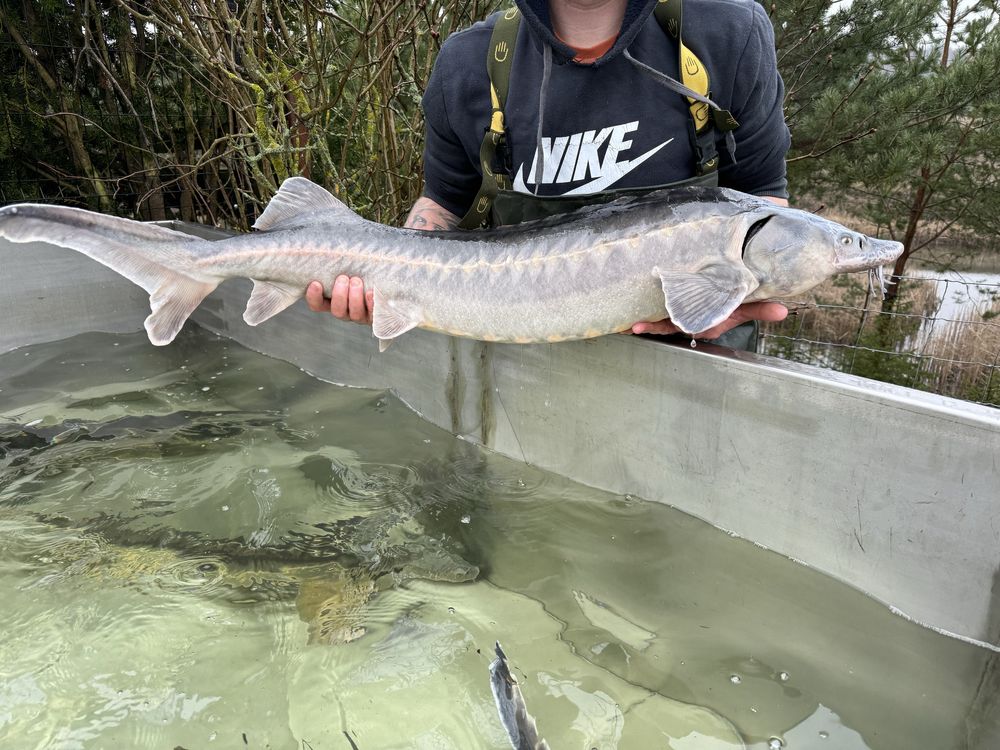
pixel 856 252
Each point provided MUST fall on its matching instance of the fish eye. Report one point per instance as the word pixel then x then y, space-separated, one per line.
pixel 846 239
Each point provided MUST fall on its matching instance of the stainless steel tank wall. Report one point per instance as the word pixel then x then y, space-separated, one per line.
pixel 893 491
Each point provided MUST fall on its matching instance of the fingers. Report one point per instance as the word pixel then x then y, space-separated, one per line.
pixel 339 297
pixel 356 309
pixel 315 299
pixel 660 327
pixel 768 312
pixel 348 299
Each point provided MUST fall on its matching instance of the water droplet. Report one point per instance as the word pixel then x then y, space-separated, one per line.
pixel 783 676
pixel 115 344
pixel 260 388
pixel 206 388
pixel 775 743
pixel 466 519
pixel 451 610
pixel 824 735
pixel 225 507
pixel 735 679
pixel 693 343
pixel 427 441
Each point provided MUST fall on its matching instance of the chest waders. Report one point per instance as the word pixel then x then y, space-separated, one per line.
pixel 497 203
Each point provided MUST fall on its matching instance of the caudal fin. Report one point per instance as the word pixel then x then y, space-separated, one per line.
pixel 159 260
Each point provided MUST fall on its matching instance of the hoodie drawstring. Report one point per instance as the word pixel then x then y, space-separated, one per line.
pixel 542 93
pixel 679 88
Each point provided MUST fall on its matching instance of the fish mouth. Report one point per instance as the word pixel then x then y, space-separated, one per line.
pixel 868 255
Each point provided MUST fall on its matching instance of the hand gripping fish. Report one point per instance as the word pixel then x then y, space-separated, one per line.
pixel 514 716
pixel 690 254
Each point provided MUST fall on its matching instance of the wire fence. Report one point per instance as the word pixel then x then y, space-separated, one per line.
pixel 940 334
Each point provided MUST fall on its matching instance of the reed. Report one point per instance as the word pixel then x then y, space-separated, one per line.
pixel 963 356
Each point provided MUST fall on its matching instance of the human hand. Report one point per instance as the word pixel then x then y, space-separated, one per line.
pixel 348 300
pixel 769 312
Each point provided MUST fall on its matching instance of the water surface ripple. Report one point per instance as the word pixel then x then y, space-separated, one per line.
pixel 203 547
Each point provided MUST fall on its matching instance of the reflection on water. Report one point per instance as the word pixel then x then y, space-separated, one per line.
pixel 200 546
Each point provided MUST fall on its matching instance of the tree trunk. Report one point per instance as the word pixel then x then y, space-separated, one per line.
pixel 917 208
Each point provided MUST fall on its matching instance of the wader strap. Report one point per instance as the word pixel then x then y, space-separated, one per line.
pixel 499 58
pixel 694 75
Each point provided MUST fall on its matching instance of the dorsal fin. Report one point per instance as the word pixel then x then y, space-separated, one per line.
pixel 298 196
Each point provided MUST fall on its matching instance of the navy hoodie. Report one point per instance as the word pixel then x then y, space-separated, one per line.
pixel 607 125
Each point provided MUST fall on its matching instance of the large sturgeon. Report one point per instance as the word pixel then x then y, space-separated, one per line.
pixel 691 254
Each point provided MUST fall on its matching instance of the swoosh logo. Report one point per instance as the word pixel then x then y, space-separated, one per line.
pixel 616 172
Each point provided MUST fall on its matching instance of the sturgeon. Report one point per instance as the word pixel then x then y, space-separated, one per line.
pixel 691 254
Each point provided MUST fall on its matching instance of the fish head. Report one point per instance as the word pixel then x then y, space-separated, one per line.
pixel 791 251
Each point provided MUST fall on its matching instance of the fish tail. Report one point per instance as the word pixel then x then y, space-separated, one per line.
pixel 160 260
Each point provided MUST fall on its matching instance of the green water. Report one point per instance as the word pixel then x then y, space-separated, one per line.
pixel 203 547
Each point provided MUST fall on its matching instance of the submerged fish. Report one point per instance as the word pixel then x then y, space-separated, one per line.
pixel 514 716
pixel 330 599
pixel 690 254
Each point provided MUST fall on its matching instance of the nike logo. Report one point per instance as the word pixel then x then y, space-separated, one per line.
pixel 571 158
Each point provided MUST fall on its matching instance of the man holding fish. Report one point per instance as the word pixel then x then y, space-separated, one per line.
pixel 589 100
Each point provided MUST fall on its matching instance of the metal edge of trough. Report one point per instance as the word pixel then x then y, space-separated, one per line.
pixel 893 491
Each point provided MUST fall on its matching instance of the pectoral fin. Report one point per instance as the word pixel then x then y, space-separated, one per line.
pixel 700 300
pixel 268 299
pixel 392 318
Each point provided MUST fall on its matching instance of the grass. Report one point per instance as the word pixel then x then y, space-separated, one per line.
pixel 964 356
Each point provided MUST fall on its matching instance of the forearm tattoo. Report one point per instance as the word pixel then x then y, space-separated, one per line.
pixel 426 214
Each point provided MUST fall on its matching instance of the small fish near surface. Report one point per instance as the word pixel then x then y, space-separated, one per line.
pixel 518 723
pixel 690 254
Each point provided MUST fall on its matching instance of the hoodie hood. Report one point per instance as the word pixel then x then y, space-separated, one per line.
pixel 536 14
